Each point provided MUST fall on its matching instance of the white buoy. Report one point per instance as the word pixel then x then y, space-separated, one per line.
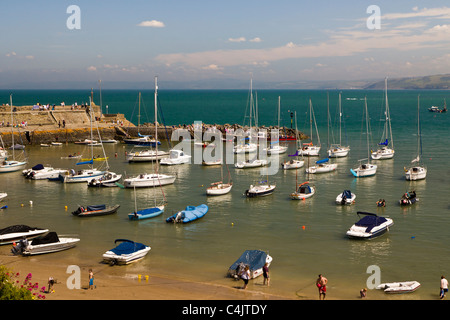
pixel 31 203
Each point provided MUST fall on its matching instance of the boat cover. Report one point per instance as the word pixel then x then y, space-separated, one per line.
pixel 384 143
pixel 255 259
pixel 347 194
pixel 17 228
pixel 294 155
pixel 50 237
pixel 322 161
pixel 38 167
pixel 96 207
pixel 127 247
pixel 370 221
pixel 85 162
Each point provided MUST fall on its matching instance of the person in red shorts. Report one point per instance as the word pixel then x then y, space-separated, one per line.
pixel 321 284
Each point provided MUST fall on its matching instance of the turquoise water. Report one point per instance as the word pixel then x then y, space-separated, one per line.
pixel 416 248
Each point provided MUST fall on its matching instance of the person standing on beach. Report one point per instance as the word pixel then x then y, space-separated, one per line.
pixel 91 279
pixel 444 287
pixel 321 284
pixel 245 276
pixel 266 274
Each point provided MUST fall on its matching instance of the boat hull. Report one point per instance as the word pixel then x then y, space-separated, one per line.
pixel 151 180
pixel 399 287
pixel 63 244
pixel 219 189
pixel 191 213
pixel 292 164
pixel 93 213
pixel 146 213
pixel 8 238
pixel 259 191
pixel 416 173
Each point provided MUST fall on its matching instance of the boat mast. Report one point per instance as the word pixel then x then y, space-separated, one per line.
pixel 419 135
pixel 388 117
pixel 367 129
pixel 12 125
pixel 156 122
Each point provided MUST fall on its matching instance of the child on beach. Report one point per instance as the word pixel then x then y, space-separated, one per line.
pixel 91 279
pixel 266 274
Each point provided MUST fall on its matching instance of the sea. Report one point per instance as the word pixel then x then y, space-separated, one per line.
pixel 304 237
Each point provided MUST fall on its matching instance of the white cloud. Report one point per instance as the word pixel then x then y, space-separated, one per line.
pixel 91 68
pixel 240 39
pixel 213 67
pixel 256 39
pixel 11 54
pixel 152 24
pixel 441 13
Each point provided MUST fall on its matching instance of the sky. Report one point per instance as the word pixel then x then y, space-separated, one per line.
pixel 185 41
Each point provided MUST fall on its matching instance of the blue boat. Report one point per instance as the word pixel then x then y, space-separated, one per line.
pixel 254 259
pixel 126 252
pixel 146 213
pixel 191 213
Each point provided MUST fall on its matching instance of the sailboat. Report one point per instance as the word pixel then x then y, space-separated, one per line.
pixel 386 147
pixel 84 175
pixel 151 179
pixel 365 169
pixel 143 155
pixel 338 150
pixel 220 188
pixel 11 165
pixel 417 170
pixel 275 147
pixel 294 163
pixel 304 190
pixel 149 212
pixel 142 140
pixel 248 147
pixel 309 149
pixel 261 189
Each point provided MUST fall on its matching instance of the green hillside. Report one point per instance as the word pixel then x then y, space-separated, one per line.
pixel 427 82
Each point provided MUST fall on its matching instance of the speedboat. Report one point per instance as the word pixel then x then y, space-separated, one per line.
pixel 95 210
pixel 126 252
pixel 262 189
pixel 18 232
pixel 148 180
pixel 346 197
pixel 322 166
pixel 189 214
pixel 45 244
pixel 255 163
pixel 254 259
pixel 399 287
pixel 39 172
pixel 369 226
pixel 304 191
pixel 176 157
pixel 108 179
pixel 408 198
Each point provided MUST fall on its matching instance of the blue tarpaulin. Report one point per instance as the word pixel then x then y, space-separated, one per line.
pixel 255 259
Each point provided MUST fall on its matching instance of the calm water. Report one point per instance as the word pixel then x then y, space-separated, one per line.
pixel 416 248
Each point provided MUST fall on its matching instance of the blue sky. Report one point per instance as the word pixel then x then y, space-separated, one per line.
pixel 286 40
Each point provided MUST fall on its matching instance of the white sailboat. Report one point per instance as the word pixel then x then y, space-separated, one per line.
pixel 310 149
pixel 417 170
pixel 12 165
pixel 144 155
pixel 294 163
pixel 304 190
pixel 84 175
pixel 244 146
pixel 275 147
pixel 153 179
pixel 386 146
pixel 338 150
pixel 220 188
pixel 322 166
pixel 365 169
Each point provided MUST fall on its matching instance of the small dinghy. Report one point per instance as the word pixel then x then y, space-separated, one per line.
pixel 399 287
pixel 255 259
pixel 19 232
pixel 45 244
pixel 126 252
pixel 369 226
pixel 408 198
pixel 95 210
pixel 189 214
pixel 346 197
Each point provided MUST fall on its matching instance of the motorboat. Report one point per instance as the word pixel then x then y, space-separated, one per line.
pixel 48 243
pixel 322 166
pixel 18 232
pixel 189 214
pixel 148 180
pixel 95 210
pixel 264 188
pixel 176 157
pixel 408 198
pixel 346 197
pixel 142 140
pixel 12 165
pixel 255 163
pixel 72 156
pixel 369 226
pixel 147 155
pixel 399 287
pixel 108 179
pixel 254 259
pixel 304 191
pixel 126 252
pixel 40 172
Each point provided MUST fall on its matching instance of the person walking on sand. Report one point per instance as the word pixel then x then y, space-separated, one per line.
pixel 266 274
pixel 91 279
pixel 444 287
pixel 321 284
pixel 245 276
